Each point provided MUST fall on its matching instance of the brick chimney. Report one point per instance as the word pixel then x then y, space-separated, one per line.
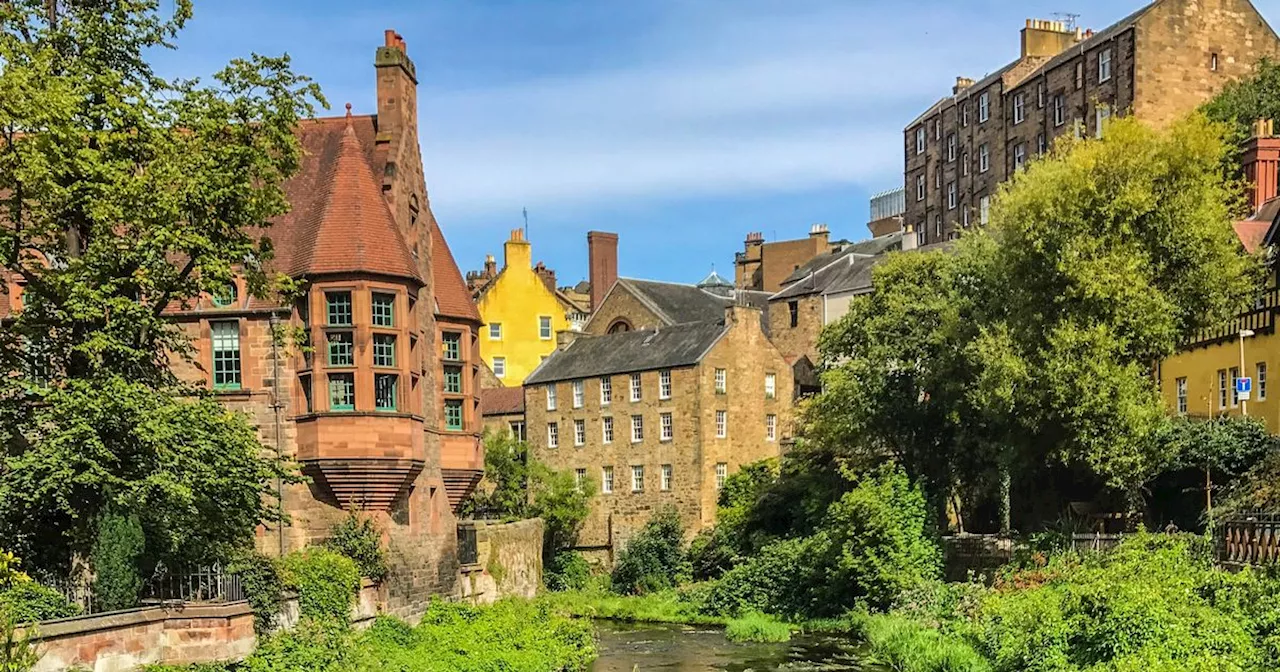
pixel 820 233
pixel 1262 164
pixel 397 87
pixel 490 267
pixel 602 260
pixel 1047 38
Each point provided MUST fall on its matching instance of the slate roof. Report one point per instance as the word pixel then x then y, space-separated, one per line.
pixel 644 350
pixel 502 401
pixel 870 247
pixel 849 273
pixel 677 303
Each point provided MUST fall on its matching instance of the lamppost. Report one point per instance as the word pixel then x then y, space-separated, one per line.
pixel 1244 404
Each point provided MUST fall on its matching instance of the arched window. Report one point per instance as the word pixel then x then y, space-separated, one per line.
pixel 619 326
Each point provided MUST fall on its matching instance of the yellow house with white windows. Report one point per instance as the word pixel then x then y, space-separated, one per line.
pixel 522 312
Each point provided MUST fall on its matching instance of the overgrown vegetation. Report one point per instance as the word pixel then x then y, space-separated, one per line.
pixel 757 627
pixel 326 583
pixel 115 558
pixel 359 539
pixel 654 559
pixel 22 600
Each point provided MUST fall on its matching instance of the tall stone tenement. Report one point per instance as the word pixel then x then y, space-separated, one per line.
pixel 1158 63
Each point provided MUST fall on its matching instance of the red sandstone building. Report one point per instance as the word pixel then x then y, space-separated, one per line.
pixel 382 411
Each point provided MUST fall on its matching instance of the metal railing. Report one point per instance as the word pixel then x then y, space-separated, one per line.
pixel 201 585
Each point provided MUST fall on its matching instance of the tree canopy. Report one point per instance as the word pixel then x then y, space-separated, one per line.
pixel 124 195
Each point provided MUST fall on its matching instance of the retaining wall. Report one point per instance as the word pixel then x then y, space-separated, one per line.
pixel 508 561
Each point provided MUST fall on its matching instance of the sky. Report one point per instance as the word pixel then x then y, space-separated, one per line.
pixel 682 125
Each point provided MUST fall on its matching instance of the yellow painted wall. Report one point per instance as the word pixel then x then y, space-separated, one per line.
pixel 1200 367
pixel 517 299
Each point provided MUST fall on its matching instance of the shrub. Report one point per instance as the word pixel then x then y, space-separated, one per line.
pixel 361 541
pixel 903 644
pixel 568 570
pixel 780 579
pixel 757 627
pixel 654 559
pixel 716 550
pixel 30 602
pixel 264 587
pixel 326 583
pixel 314 646
pixel 17 653
pixel 115 559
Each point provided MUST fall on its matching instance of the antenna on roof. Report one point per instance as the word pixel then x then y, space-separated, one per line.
pixel 1067 18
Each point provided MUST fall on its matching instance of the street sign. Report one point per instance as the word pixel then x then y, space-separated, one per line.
pixel 1244 387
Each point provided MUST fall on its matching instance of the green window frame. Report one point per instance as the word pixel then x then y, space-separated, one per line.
pixel 342 348
pixel 453 414
pixel 225 296
pixel 384 309
pixel 451 342
pixel 453 379
pixel 226 354
pixel 338 308
pixel 342 391
pixel 305 382
pixel 384 391
pixel 384 350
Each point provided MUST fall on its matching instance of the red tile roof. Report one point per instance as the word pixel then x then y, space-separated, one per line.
pixel 452 297
pixel 502 401
pixel 1251 233
pixel 340 221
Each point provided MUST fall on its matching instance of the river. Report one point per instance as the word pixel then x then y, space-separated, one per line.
pixel 625 647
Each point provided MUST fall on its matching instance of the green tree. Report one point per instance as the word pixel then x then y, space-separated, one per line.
pixel 122 196
pixel 1243 102
pixel 654 558
pixel 116 559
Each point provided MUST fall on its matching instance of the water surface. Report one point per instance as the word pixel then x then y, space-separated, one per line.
pixel 624 647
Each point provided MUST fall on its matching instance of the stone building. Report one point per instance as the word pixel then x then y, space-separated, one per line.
pixel 522 311
pixel 1158 63
pixel 374 414
pixel 503 411
pixel 634 304
pixel 818 294
pixel 761 266
pixel 659 414
pixel 1199 380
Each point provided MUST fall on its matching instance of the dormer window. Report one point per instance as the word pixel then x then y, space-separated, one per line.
pixel 225 296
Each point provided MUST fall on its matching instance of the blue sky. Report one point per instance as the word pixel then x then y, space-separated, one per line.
pixel 680 124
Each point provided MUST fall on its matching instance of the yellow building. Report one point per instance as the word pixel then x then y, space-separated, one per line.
pixel 1199 380
pixel 522 312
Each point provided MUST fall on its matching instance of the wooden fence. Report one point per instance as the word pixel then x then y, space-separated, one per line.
pixel 1251 539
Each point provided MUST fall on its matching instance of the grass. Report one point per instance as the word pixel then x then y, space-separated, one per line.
pixel 664 607
pixel 907 646
pixel 757 627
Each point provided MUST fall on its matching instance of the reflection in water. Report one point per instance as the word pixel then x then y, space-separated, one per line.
pixel 626 647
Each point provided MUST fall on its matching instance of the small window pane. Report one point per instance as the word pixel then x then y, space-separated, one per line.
pixel 341 348
pixel 453 379
pixel 544 328
pixel 338 308
pixel 384 385
pixel 452 345
pixel 225 296
pixel 226 355
pixel 384 350
pixel 384 310
pixel 453 414
pixel 342 391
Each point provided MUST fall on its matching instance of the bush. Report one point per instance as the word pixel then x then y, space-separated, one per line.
pixel 314 646
pixel 568 570
pixel 361 541
pixel 654 559
pixel 115 559
pixel 326 582
pixel 903 644
pixel 716 550
pixel 30 602
pixel 264 587
pixel 757 627
pixel 780 579
pixel 17 653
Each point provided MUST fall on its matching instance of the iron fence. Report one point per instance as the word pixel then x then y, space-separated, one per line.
pixel 204 584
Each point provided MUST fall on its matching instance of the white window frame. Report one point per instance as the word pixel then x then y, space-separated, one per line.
pixel 545 330
pixel 937 227
pixel 984 210
pixel 606 390
pixel 579 478
pixel 500 367
pixel 964 216
pixel 722 424
pixel 1233 375
pixel 495 331
pixel 666 429
pixel 951 146
pixel 664 384
pixel 771 427
pixel 1041 144
pixel 551 397
pixel 579 393
pixel 722 474
pixel 666 478
pixel 1101 117
pixel 637 478
pixel 984 107
pixel 1059 110
pixel 951 196
pixel 722 381
pixel 606 480
pixel 606 429
pixel 1019 155
pixel 920 187
pixel 920 140
pixel 1222 389
pixel 1260 372
pixel 984 158
pixel 964 164
pixel 1040 95
pixel 553 435
pixel 1104 65
pixel 636 389
pixel 1019 109
pixel 1180 386
pixel 579 432
pixel 770 385
pixel 637 428
pixel 964 114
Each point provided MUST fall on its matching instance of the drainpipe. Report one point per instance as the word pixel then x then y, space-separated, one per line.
pixel 276 408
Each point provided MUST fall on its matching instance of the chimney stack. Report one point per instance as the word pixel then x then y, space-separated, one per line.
pixel 1041 38
pixel 602 260
pixel 516 252
pixel 962 83
pixel 820 233
pixel 397 88
pixel 1262 164
pixel 490 267
pixel 547 276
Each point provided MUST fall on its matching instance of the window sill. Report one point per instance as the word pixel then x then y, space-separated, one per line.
pixel 233 392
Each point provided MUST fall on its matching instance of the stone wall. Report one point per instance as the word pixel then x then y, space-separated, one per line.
pixel 622 305
pixel 802 339
pixel 171 635
pixel 509 561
